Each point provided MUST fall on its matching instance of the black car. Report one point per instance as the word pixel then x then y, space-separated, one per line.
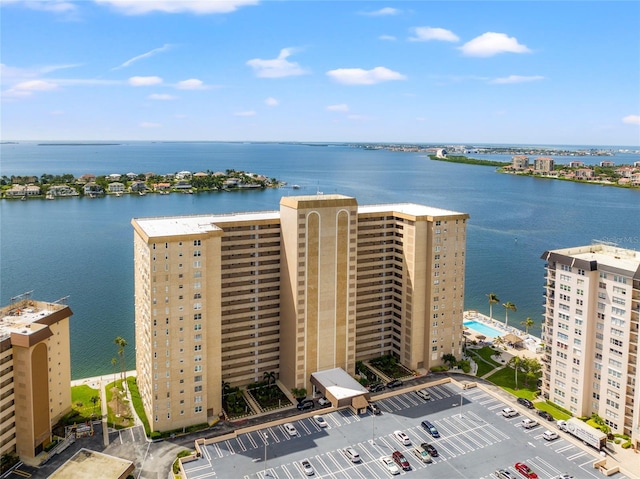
pixel 305 405
pixel 545 415
pixel 430 428
pixel 525 402
pixel 430 449
pixel 396 383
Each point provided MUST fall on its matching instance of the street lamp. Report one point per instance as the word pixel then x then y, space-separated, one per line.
pixel 266 438
pixel 460 404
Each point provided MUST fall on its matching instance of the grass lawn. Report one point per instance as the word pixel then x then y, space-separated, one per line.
pixel 486 353
pixel 505 378
pixel 119 414
pixel 482 355
pixel 81 401
pixel 137 403
pixel 556 413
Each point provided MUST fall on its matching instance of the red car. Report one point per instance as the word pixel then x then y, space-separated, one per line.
pixel 523 469
pixel 401 461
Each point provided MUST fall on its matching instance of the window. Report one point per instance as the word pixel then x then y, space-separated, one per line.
pixel 197 316
pixel 197 242
pixel 197 253
pixel 197 326
pixel 198 409
pixel 197 264
pixel 197 368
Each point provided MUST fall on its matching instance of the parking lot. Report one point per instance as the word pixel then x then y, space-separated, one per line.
pixel 475 440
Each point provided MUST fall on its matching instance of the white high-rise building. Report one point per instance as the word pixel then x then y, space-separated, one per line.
pixel 591 332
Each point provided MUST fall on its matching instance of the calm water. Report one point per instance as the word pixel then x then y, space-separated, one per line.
pixel 82 248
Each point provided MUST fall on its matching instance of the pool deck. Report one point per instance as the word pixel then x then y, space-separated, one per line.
pixel 530 346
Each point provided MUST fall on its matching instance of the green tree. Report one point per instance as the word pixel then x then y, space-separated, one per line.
pixel 95 400
pixel 527 323
pixel 269 376
pixel 493 299
pixel 226 388
pixel 516 363
pixel 508 306
pixel 121 343
pixel 450 359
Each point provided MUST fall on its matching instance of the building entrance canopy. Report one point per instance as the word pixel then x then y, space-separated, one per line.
pixel 340 388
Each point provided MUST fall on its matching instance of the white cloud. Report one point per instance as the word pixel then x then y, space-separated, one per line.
pixel 36 85
pixel 245 113
pixel 144 81
pixel 148 54
pixel 149 124
pixel 631 119
pixel 161 96
pixel 425 34
pixel 340 107
pixel 383 12
pixel 359 76
pixel 389 38
pixel 199 7
pixel 191 84
pixel 490 43
pixel 516 79
pixel 277 68
pixel 55 6
pixel 271 102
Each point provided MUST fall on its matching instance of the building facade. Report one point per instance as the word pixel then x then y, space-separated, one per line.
pixel 543 164
pixel 590 332
pixel 520 162
pixel 319 284
pixel 35 374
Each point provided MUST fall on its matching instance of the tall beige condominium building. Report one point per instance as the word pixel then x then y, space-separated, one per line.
pixel 591 334
pixel 319 284
pixel 35 374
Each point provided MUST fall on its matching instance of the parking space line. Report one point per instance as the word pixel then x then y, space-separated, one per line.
pixel 565 448
pixel 304 426
pixel 253 443
pixel 324 465
pixel 286 471
pixel 333 418
pixel 576 456
pixel 240 443
pixel 230 448
pixel 274 435
pixel 217 449
pixel 414 399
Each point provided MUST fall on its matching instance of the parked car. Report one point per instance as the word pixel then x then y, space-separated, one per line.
pixel 422 455
pixel 305 405
pixel 389 465
pixel 545 415
pixel 396 383
pixel 509 412
pixel 324 401
pixel 402 438
pixel 307 467
pixel 400 460
pixel 549 435
pixel 320 421
pixel 424 394
pixel 529 423
pixel 563 476
pixel 525 402
pixel 430 428
pixel 525 470
pixel 351 454
pixel 377 387
pixel 291 429
pixel 503 474
pixel 430 449
pixel 374 409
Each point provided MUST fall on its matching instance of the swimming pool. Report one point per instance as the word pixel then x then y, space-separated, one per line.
pixel 482 328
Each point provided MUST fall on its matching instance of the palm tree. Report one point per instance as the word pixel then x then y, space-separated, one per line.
pixel 508 306
pixel 121 343
pixel 493 299
pixel 269 376
pixel 114 363
pixel 515 362
pixel 95 400
pixel 527 323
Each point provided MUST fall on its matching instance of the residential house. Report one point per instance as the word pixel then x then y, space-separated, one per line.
pixel 22 190
pixel 116 187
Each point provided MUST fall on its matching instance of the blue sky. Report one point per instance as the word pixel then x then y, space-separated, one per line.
pixel 543 72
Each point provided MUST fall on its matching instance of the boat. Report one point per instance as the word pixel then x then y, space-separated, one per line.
pixel 295 187
pixel 50 196
pixel 142 193
pixel 118 194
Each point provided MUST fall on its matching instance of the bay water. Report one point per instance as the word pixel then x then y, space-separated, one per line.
pixel 83 248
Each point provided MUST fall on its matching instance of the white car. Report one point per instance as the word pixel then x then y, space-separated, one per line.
pixel 307 467
pixel 509 412
pixel 423 455
pixel 402 438
pixel 550 435
pixel 529 423
pixel 320 421
pixel 564 476
pixel 324 401
pixel 390 465
pixel 503 474
pixel 562 425
pixel 291 429
pixel 424 394
pixel 351 454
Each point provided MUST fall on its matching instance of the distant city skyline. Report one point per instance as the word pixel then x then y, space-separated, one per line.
pixel 539 73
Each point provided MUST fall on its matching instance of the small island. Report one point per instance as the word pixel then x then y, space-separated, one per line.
pixel 117 184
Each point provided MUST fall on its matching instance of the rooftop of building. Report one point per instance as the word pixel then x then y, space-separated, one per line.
pixel 605 254
pixel 96 465
pixel 163 226
pixel 23 312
